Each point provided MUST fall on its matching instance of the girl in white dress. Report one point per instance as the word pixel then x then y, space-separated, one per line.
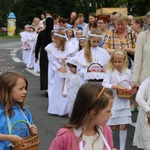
pixel 72 84
pixel 31 41
pixel 25 45
pixel 48 49
pixel 36 63
pixel 59 53
pixel 78 34
pixel 70 35
pixel 71 38
pixel 117 72
pixel 91 54
pixel 81 42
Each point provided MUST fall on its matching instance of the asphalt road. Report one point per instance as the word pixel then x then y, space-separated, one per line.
pixel 48 125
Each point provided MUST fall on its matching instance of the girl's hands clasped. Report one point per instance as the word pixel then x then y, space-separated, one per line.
pixel 62 70
pixel 119 87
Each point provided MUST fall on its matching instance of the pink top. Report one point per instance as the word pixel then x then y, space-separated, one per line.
pixel 67 140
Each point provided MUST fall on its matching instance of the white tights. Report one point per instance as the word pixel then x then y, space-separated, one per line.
pixel 122 138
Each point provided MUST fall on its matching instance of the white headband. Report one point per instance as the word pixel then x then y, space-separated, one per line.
pixel 62 28
pixel 69 29
pixel 120 53
pixel 96 35
pixel 79 31
pixel 54 31
pixel 63 36
pixel 82 38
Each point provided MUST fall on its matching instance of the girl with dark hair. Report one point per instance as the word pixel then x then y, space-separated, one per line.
pixel 92 23
pixel 87 125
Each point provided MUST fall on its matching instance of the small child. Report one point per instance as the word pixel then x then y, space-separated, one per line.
pixel 72 84
pixel 117 72
pixel 13 92
pixel 86 128
pixel 25 44
pixel 31 39
pixel 78 34
pixel 36 63
pixel 70 37
pixel 82 42
pixel 70 34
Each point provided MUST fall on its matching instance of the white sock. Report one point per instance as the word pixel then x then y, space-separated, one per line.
pixel 122 138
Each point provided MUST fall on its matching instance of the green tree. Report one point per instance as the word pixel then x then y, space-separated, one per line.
pixel 139 7
pixel 26 10
pixel 5 8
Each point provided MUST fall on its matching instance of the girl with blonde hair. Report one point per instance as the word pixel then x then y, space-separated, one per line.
pixel 118 77
pixel 92 53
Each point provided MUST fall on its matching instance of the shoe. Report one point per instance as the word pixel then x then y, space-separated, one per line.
pixel 46 93
pixel 137 109
pixel 132 109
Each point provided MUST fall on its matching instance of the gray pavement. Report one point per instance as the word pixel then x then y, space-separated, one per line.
pixel 37 103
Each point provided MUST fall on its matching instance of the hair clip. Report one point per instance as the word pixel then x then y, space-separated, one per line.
pixel 100 93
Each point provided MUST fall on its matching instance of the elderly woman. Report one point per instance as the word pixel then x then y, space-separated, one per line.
pixel 121 37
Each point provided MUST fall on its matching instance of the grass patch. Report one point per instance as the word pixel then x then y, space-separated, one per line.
pixel 5 36
pixel 9 37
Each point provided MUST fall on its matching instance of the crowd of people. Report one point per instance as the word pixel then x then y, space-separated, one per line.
pixel 83 67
